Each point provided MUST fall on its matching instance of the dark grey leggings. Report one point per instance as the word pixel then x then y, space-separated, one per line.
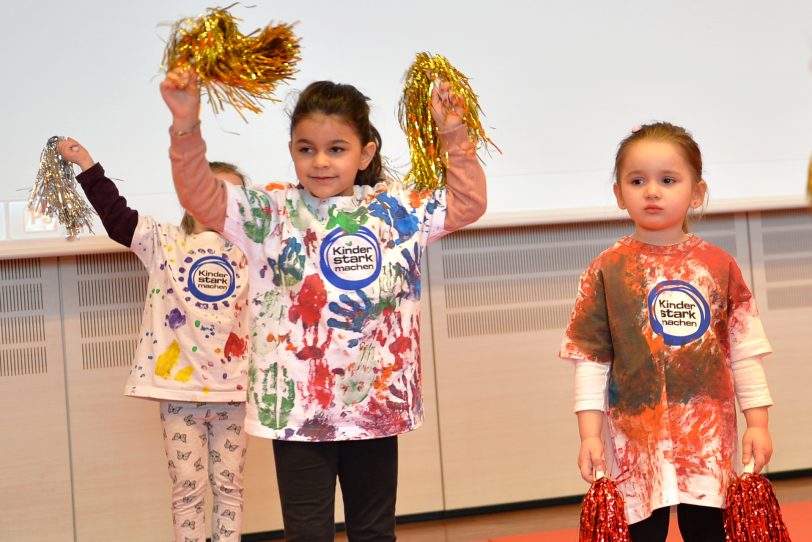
pixel 367 471
pixel 696 524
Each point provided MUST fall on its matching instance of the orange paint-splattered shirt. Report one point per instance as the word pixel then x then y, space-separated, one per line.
pixel 669 320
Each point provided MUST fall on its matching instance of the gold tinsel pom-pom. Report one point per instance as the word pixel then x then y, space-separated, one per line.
pixel 428 162
pixel 234 69
pixel 54 192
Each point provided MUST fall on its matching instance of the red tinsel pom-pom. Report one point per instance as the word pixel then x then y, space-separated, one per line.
pixel 752 513
pixel 603 516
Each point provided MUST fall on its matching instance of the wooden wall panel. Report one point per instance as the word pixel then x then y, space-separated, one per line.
pixel 781 245
pixel 121 486
pixel 35 467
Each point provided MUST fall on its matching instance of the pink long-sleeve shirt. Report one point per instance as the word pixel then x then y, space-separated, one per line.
pixel 334 291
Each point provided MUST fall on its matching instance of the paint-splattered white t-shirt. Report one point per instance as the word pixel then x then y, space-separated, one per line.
pixel 192 344
pixel 335 300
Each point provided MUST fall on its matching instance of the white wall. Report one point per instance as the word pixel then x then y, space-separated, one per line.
pixel 560 83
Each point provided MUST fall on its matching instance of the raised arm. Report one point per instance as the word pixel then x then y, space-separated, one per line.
pixel 118 219
pixel 466 191
pixel 198 191
pixel 465 179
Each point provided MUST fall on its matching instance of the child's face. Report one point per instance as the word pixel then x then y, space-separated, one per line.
pixel 327 154
pixel 657 186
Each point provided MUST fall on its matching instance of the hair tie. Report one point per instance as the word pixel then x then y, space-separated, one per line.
pixel 636 128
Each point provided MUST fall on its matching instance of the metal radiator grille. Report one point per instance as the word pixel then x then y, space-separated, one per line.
pixel 22 319
pixel 111 290
pixel 523 279
pixel 517 280
pixel 786 245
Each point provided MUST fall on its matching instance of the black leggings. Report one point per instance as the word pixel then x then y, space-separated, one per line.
pixel 696 524
pixel 368 473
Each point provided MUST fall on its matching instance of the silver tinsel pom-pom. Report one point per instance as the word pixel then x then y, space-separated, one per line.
pixel 54 192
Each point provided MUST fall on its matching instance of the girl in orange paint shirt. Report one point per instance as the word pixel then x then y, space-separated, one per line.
pixel 665 337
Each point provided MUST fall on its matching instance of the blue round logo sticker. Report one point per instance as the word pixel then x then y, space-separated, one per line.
pixel 678 312
pixel 350 261
pixel 211 279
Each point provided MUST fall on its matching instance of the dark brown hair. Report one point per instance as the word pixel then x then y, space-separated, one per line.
pixel 352 107
pixel 187 223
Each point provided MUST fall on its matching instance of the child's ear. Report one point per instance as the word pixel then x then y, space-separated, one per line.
pixel 698 194
pixel 367 154
pixel 619 196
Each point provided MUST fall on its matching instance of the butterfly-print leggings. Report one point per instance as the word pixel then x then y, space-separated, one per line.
pixel 205 443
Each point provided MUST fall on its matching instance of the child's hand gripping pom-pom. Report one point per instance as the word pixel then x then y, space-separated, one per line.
pixel 233 68
pixel 432 82
pixel 603 516
pixel 752 513
pixel 54 192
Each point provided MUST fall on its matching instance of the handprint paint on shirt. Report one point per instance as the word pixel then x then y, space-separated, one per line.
pixel 234 347
pixel 309 302
pixel 278 396
pixel 389 286
pixel 389 210
pixel 353 314
pixel 320 378
pixel 349 222
pixel 300 216
pixel 289 268
pixel 354 385
pixel 411 273
pixel 257 223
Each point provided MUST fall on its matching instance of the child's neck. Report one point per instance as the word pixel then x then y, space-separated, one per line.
pixel 200 228
pixel 660 237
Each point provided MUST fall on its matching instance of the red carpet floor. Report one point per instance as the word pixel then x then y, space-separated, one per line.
pixel 797 517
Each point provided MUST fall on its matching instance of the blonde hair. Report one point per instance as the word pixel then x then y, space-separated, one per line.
pixel 187 223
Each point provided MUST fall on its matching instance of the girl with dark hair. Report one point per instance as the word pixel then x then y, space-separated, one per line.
pixel 334 278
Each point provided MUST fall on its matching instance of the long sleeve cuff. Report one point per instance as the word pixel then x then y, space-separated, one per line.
pixel 198 191
pixel 465 179
pixel 591 385
pixel 751 383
